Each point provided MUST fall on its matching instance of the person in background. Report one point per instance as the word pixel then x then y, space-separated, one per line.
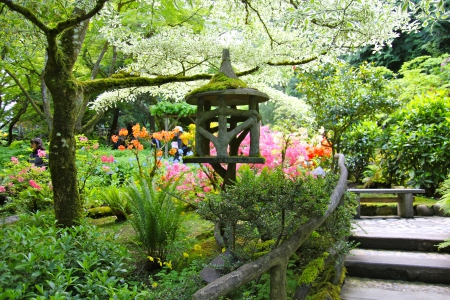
pixel 182 148
pixel 130 131
pixel 38 153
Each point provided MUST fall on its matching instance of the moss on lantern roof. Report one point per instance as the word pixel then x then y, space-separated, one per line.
pixel 219 82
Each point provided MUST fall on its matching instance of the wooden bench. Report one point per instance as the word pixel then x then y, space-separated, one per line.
pixel 404 199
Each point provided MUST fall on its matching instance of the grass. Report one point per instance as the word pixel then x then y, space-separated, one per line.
pixel 418 200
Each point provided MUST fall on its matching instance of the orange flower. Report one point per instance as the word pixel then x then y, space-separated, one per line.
pixel 136 130
pixel 159 163
pixel 159 153
pixel 135 143
pixel 130 146
pixel 121 148
pixel 144 133
pixel 114 138
pixel 123 132
pixel 168 135
pixel 158 136
pixel 173 151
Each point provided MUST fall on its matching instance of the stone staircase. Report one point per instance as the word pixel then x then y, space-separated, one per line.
pixel 398 259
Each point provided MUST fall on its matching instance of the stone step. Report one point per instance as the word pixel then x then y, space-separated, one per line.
pixel 398 265
pixel 404 242
pixel 376 289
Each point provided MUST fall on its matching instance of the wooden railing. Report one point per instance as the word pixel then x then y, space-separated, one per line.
pixel 276 261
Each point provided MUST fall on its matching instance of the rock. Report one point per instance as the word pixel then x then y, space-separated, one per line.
pixel 386 210
pixel 437 208
pixel 423 210
pixel 368 210
pixel 318 172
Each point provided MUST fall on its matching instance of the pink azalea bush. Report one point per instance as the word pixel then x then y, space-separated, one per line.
pixel 27 188
pixel 295 153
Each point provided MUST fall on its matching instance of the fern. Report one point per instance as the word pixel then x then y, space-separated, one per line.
pixel 155 216
pixel 116 200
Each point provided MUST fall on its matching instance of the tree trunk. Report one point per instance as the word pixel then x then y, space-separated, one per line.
pixel 67 203
pixel 67 99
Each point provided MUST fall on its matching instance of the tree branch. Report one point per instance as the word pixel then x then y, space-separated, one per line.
pixel 61 26
pixel 24 91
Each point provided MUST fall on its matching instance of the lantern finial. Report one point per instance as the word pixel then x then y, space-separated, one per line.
pixel 226 67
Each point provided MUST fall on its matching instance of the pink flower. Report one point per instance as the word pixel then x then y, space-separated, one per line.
pixel 207 189
pixel 95 146
pixel 15 160
pixel 83 139
pixel 106 159
pixel 41 153
pixel 20 179
pixel 2 189
pixel 34 185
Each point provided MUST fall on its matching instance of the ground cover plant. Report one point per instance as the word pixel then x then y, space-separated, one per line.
pixel 42 261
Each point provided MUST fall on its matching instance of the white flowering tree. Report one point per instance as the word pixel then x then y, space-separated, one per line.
pixel 175 45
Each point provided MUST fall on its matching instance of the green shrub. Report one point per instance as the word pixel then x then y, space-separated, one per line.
pixel 416 148
pixel 155 216
pixel 47 262
pixel 266 206
pixel 444 189
pixel 180 285
pixel 16 145
pixel 359 146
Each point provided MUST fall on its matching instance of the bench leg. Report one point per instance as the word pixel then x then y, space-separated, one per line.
pixel 358 207
pixel 405 207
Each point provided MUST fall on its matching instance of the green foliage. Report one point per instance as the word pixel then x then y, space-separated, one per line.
pixel 177 284
pixel 47 262
pixel 444 189
pixel 89 166
pixel 313 270
pixel 416 148
pixel 164 108
pixel 373 174
pixel 115 198
pixel 360 145
pixel 342 96
pixel 424 74
pixel 155 216
pixel 16 145
pixel 266 207
pixel 219 82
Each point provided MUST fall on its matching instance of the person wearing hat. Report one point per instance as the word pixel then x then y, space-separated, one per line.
pixel 182 148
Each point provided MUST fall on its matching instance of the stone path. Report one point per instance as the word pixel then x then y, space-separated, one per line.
pixel 393 226
pixel 417 225
pixel 7 220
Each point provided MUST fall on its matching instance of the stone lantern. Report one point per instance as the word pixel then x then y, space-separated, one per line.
pixel 227 101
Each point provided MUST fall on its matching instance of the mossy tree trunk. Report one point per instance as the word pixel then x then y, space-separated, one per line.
pixel 67 96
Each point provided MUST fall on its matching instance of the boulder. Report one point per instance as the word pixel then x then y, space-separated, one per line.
pixel 423 210
pixel 386 210
pixel 368 210
pixel 437 208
